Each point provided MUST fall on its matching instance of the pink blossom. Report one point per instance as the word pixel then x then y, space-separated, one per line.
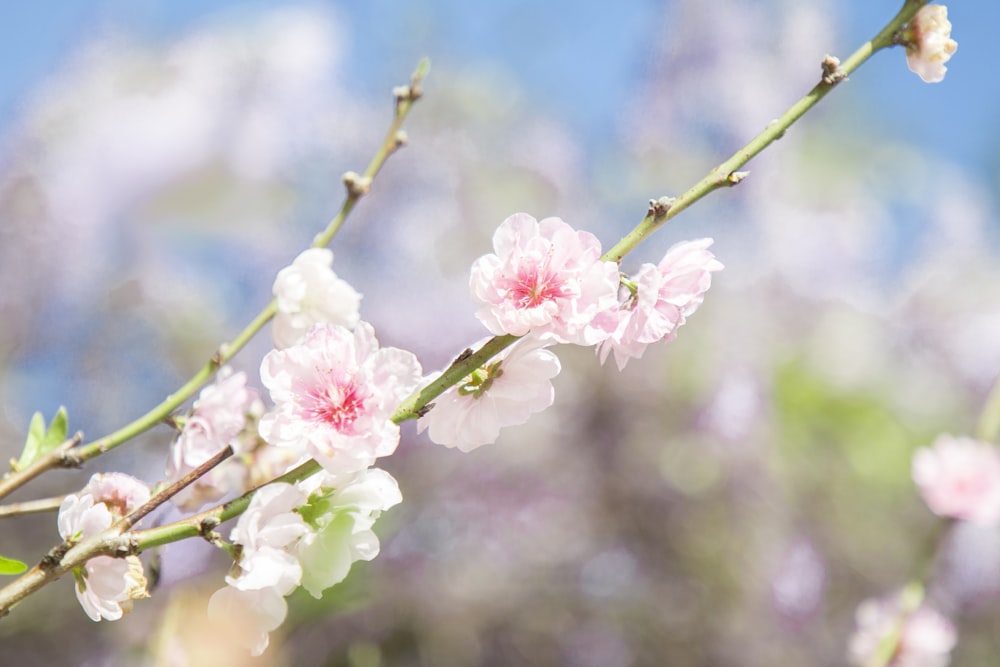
pixel 334 395
pixel 664 296
pixel 959 478
pixel 926 638
pixel 309 292
pixel 505 392
pixel 547 278
pixel 928 43
pixel 219 417
pixel 255 613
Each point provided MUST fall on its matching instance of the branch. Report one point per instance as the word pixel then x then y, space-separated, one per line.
pixel 727 174
pixel 62 456
pixel 661 210
pixel 31 507
pixel 357 187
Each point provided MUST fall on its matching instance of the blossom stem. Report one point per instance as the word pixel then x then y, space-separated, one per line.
pixel 727 174
pixel 460 368
pixel 357 186
pixel 31 507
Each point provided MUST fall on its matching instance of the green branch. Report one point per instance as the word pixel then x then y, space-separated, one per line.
pixel 665 208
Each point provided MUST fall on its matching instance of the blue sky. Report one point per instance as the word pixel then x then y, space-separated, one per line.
pixel 575 60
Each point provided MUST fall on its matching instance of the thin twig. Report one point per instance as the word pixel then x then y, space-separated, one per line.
pixel 169 492
pixel 62 456
pixel 31 507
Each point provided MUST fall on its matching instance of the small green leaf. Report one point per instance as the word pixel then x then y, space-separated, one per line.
pixel 41 441
pixel 57 429
pixel 36 434
pixel 11 566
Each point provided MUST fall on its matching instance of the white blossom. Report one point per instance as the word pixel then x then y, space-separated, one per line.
pixel 343 518
pixel 309 292
pixel 105 586
pixel 928 43
pixel 504 392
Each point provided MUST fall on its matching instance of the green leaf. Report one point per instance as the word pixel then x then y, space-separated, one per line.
pixel 11 566
pixel 57 429
pixel 41 441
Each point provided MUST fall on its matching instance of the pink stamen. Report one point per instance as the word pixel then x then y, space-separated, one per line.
pixel 535 286
pixel 338 406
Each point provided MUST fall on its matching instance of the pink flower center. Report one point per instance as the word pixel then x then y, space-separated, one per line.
pixel 535 285
pixel 336 405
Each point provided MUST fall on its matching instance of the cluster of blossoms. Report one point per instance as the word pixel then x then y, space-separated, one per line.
pixel 290 536
pixel 547 282
pixel 334 391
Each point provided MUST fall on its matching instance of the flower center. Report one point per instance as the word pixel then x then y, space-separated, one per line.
pixel 480 381
pixel 535 285
pixel 336 405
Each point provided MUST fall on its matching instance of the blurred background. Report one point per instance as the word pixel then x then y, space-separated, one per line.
pixel 728 500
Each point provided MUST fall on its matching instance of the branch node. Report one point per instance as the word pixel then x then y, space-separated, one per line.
pixel 736 177
pixel 780 135
pixel 220 355
pixel 832 74
pixel 660 207
pixel 409 93
pixel 66 457
pixel 357 186
pixel 207 530
pixel 400 139
pixel 55 555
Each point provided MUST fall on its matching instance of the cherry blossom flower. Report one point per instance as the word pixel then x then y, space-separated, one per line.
pixel 309 292
pixel 959 478
pixel 926 638
pixel 342 517
pixel 288 536
pixel 105 586
pixel 221 416
pixel 928 43
pixel 256 613
pixel 664 296
pixel 547 278
pixel 504 392
pixel 121 493
pixel 267 532
pixel 334 395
